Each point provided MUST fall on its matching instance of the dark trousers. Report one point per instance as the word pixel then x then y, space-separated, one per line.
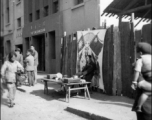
pixel 30 75
pixel 143 116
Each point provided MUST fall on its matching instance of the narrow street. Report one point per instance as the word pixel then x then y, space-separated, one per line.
pixel 33 104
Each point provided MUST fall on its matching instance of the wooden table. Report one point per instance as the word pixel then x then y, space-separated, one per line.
pixel 68 87
pixel 45 80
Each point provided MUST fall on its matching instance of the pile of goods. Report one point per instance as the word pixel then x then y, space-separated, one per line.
pixel 21 77
pixel 63 78
pixel 74 79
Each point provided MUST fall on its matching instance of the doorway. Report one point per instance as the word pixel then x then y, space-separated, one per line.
pixel 52 51
pixel 39 44
pixel 8 47
pixel 27 43
pixel 20 46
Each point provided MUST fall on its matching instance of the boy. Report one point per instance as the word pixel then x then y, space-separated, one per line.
pixel 36 62
pixel 29 60
pixel 8 74
pixel 143 73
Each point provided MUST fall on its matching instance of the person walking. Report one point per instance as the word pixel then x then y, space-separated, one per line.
pixel 36 62
pixel 8 73
pixel 29 67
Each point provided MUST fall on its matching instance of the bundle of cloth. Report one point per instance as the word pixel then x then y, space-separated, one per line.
pixel 57 76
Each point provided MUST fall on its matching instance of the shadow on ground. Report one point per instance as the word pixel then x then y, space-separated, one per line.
pixel 21 90
pixel 52 95
pixel 102 98
pixel 85 114
pixel 115 100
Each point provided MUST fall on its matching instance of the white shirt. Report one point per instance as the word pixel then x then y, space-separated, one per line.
pixel 9 69
pixel 144 63
pixel 29 63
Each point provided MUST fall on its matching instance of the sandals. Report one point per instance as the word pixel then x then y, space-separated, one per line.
pixel 137 109
pixel 11 105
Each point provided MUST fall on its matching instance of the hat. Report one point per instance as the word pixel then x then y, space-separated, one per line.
pixel 18 49
pixel 144 47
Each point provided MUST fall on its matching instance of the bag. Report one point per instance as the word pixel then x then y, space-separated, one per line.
pixel 21 77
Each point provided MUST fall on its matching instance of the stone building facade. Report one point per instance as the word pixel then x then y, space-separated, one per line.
pixel 13 23
pixel 46 21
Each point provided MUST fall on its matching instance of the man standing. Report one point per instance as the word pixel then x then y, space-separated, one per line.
pixel 35 55
pixel 19 56
pixel 29 60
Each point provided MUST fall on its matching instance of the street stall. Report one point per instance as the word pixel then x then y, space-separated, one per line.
pixel 68 85
pixel 74 50
pixel 77 46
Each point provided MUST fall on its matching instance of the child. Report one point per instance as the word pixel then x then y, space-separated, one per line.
pixel 143 73
pixel 29 60
pixel 8 73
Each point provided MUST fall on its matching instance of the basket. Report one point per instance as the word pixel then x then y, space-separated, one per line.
pixel 21 77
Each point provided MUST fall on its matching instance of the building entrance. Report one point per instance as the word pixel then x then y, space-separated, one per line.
pixel 7 47
pixel 39 44
pixel 21 47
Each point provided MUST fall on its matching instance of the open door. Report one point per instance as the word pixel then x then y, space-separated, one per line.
pixel 39 44
pixel 7 47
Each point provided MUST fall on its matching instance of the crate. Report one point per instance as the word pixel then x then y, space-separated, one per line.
pixel 71 80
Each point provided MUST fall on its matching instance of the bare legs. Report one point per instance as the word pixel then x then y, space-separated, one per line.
pixel 30 78
pixel 11 93
pixel 35 74
pixel 147 89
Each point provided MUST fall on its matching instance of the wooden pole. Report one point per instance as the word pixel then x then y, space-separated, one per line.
pixel 133 36
pixel 132 17
pixel 143 17
pixel 136 9
pixel 130 5
pixel 120 20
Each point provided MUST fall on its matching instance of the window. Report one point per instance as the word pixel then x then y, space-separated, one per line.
pixel 46 11
pixel 55 6
pixel 19 22
pixel 7 15
pixel 30 17
pixel 78 2
pixel 7 12
pixel 37 14
pixel 30 6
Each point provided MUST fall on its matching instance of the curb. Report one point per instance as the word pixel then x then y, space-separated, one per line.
pixel 85 114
